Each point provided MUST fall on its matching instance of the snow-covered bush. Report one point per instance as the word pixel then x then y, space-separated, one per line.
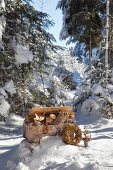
pixel 94 96
pixel 96 100
pixel 89 106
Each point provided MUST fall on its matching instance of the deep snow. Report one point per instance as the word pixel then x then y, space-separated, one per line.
pixel 52 153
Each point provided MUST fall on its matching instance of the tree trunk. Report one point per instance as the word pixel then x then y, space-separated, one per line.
pixel 23 91
pixel 110 59
pixel 41 75
pixel 107 39
pixel 90 51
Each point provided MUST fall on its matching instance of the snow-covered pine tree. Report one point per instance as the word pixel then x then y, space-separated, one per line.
pixel 86 29
pixel 59 79
pixel 24 42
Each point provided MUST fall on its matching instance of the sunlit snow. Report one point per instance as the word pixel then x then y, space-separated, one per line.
pixel 23 55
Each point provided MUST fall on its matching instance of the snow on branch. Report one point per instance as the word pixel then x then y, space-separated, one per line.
pixel 23 55
pixel 9 87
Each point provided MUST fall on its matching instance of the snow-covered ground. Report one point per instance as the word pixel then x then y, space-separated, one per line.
pixel 10 138
pixel 52 153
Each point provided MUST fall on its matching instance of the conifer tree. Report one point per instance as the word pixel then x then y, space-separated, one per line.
pixel 82 22
pixel 24 29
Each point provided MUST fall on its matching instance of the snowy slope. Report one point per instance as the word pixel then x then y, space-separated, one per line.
pixel 52 153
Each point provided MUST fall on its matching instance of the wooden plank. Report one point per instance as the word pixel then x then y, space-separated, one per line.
pixel 48 110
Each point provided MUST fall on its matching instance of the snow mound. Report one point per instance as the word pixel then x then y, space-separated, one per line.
pixel 97 89
pixel 89 106
pixel 52 153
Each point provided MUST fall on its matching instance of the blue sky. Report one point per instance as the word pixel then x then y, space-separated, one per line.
pixel 49 6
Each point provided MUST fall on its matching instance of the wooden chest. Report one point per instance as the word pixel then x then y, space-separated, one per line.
pixel 45 121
